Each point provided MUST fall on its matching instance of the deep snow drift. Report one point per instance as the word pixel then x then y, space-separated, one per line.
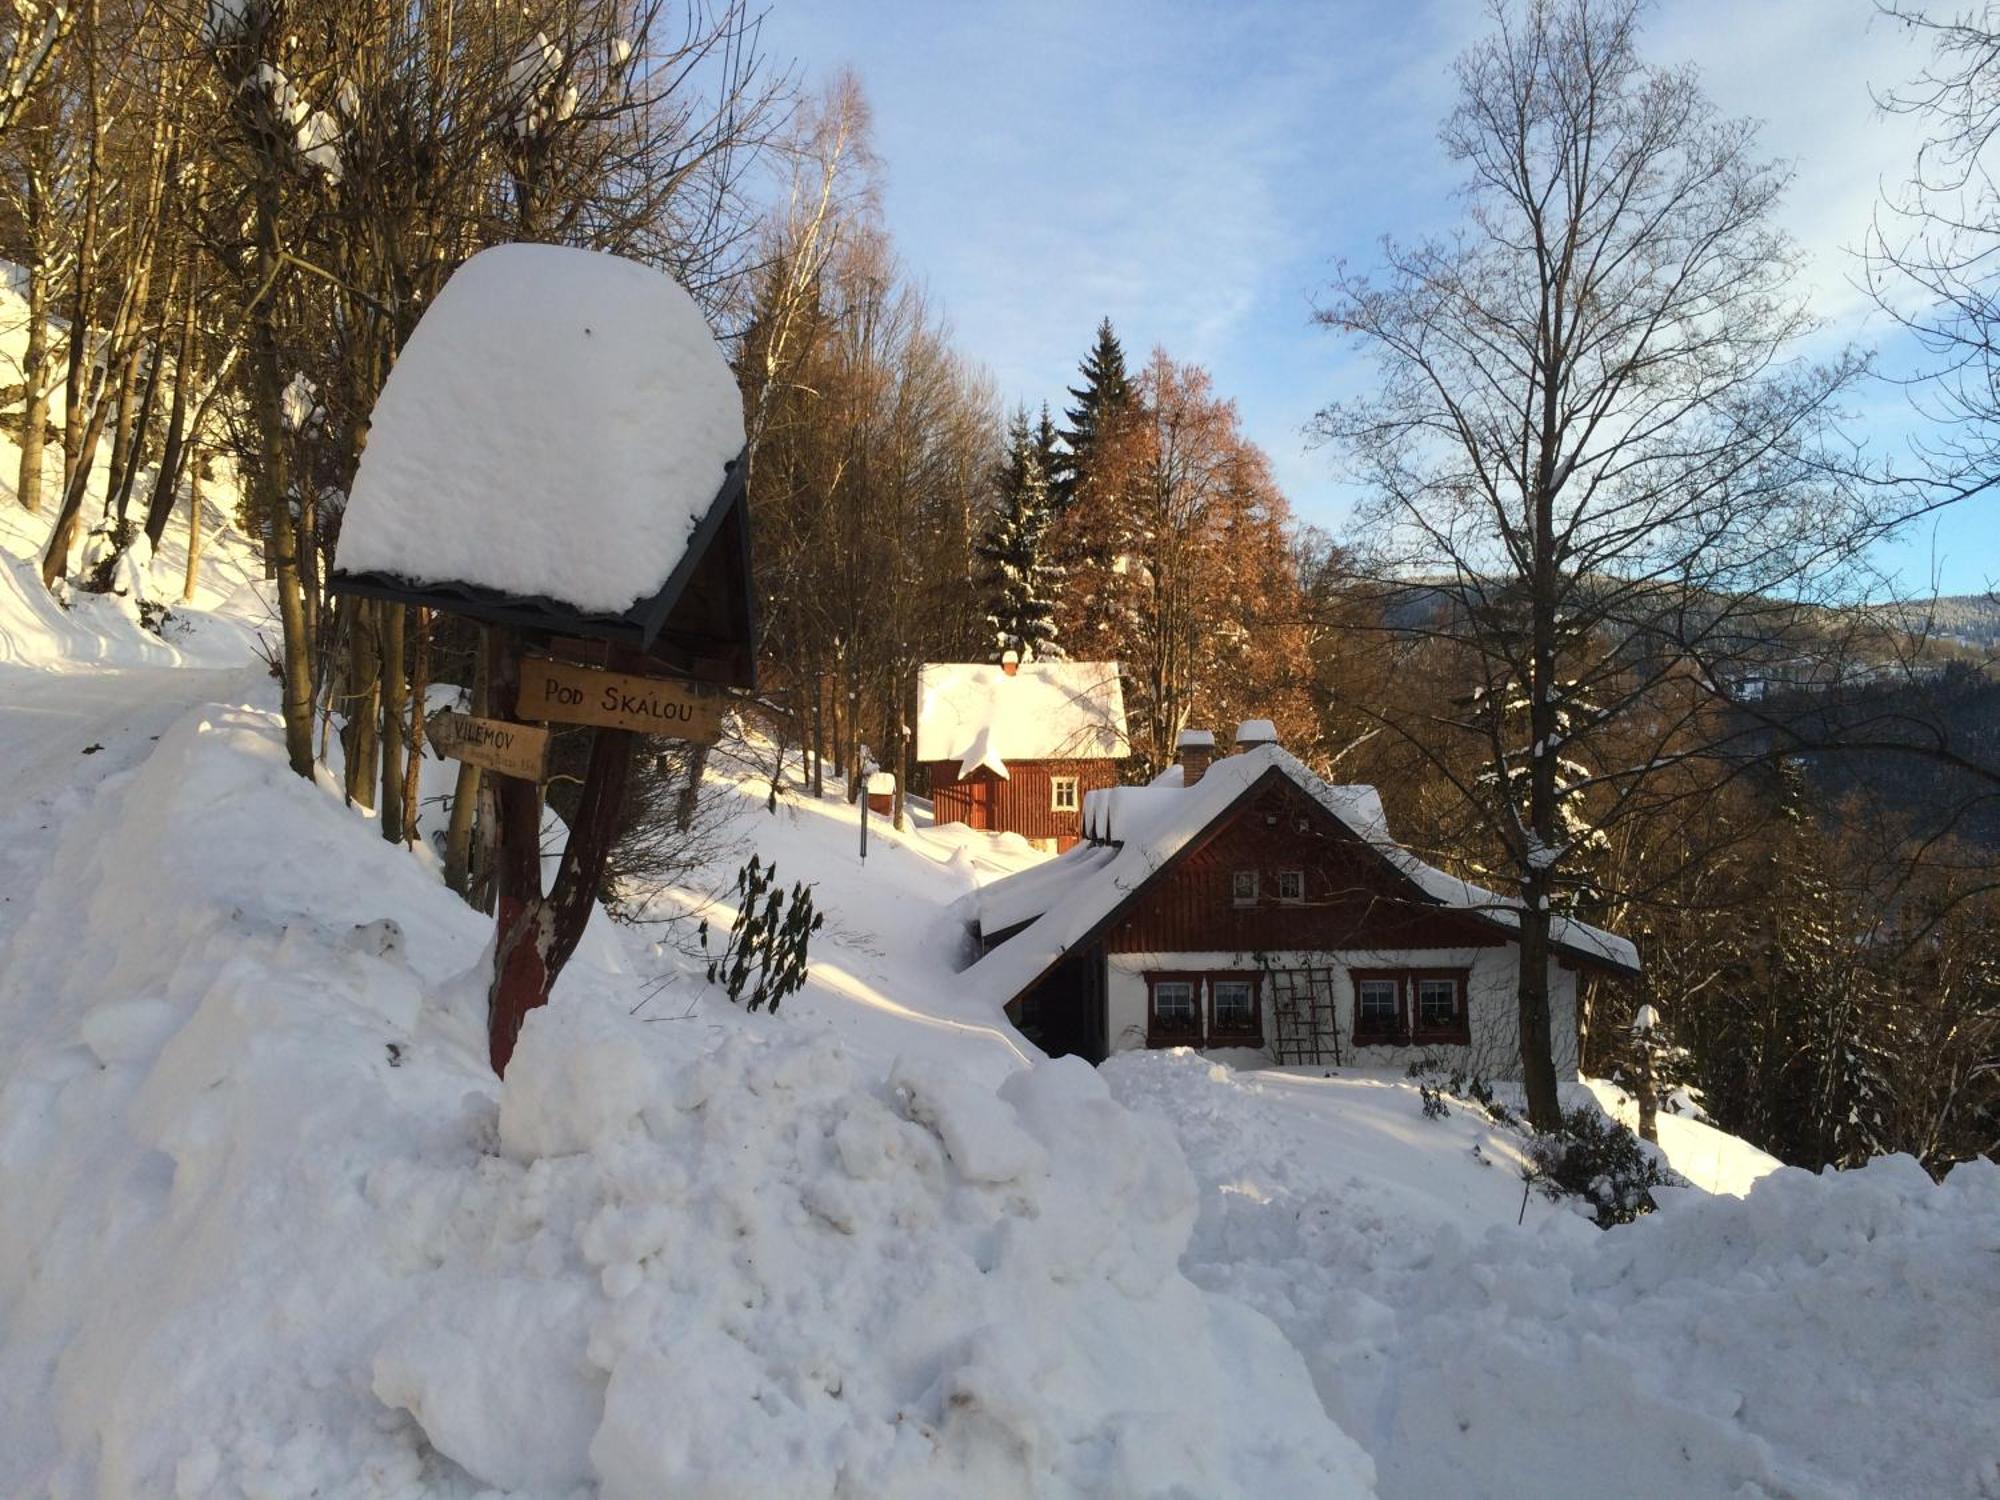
pixel 271 1227
pixel 1822 1338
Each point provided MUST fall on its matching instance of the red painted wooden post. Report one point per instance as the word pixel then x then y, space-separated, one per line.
pixel 537 933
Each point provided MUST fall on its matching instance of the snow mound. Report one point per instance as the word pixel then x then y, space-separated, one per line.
pixel 800 1285
pixel 555 426
pixel 271 1227
pixel 1820 1337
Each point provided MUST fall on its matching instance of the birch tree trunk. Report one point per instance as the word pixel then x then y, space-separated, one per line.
pixel 195 461
pixel 35 412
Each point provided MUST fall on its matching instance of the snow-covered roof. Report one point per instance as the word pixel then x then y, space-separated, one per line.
pixel 1142 828
pixel 555 427
pixel 978 715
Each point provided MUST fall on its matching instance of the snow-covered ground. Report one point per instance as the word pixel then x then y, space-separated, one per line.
pixel 268 1227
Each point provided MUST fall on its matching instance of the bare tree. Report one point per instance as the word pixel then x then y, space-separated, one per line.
pixel 1593 450
pixel 1932 246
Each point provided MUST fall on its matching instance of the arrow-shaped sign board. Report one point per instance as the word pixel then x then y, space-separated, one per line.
pixel 511 749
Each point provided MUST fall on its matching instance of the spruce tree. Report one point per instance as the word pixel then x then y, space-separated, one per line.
pixel 1106 390
pixel 1049 454
pixel 1021 581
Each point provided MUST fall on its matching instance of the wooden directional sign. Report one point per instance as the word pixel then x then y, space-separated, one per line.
pixel 511 749
pixel 561 692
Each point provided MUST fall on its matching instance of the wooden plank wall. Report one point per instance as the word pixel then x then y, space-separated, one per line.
pixel 1020 799
pixel 1352 899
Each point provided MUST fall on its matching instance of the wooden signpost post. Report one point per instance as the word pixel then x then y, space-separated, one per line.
pixel 498 745
pixel 661 661
pixel 560 692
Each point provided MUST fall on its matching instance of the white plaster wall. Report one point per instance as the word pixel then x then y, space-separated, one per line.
pixel 1495 1050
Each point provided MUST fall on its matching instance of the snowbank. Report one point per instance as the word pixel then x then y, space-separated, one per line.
pixel 835 1288
pixel 273 1230
pixel 1820 1337
pixel 555 426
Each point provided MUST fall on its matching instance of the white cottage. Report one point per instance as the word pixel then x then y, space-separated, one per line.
pixel 1247 903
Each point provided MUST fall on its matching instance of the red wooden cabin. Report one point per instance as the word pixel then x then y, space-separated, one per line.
pixel 1017 747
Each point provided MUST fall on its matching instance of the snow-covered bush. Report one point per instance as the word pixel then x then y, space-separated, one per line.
pixel 1597 1159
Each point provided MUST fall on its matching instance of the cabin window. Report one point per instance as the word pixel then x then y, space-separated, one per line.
pixel 1440 1001
pixel 1062 793
pixel 1232 1001
pixel 1394 1007
pixel 1243 887
pixel 1292 886
pixel 1378 1008
pixel 1175 1010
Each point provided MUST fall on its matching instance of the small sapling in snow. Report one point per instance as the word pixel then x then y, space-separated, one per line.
pixel 766 950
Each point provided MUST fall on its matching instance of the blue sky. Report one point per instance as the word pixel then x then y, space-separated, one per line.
pixel 1194 171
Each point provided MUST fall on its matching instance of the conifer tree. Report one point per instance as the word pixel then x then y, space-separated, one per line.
pixel 1106 391
pixel 1020 578
pixel 1049 455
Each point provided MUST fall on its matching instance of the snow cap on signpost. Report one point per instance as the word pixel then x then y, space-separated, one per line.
pixel 558 448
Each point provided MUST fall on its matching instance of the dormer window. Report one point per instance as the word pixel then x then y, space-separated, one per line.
pixel 1243 887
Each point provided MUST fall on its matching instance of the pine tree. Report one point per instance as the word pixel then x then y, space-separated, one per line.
pixel 1106 391
pixel 1020 578
pixel 1050 455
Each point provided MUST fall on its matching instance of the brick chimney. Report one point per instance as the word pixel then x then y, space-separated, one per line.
pixel 1254 732
pixel 1192 752
pixel 1010 662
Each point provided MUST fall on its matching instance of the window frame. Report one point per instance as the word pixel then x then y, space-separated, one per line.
pixel 1158 1035
pixel 1205 1033
pixel 1397 1033
pixel 1075 787
pixel 1458 1031
pixel 1236 897
pixel 1295 900
pixel 1409 1028
pixel 1251 1033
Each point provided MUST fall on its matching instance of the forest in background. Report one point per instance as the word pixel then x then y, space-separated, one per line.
pixel 1678 722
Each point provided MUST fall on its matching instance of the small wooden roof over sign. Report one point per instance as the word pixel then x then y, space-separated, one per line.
pixel 560 449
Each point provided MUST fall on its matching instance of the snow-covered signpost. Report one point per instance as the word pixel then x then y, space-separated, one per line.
pixel 558 455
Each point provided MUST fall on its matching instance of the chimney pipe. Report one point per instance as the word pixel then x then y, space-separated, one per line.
pixel 1254 732
pixel 1192 752
pixel 1010 662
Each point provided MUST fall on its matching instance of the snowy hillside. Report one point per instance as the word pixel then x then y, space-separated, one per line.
pixel 272 1228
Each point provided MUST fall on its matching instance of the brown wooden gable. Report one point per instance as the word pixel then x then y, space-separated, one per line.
pixel 1381 900
pixel 1352 897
